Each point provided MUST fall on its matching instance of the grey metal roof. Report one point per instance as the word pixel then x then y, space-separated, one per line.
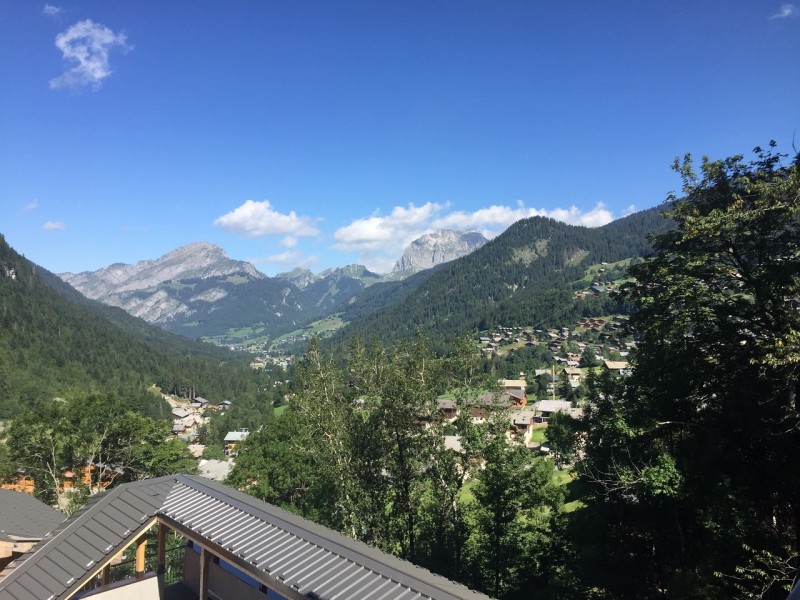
pixel 302 555
pixel 265 541
pixel 25 517
pixel 62 562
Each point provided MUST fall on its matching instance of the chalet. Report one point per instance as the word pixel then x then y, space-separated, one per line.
pixel 620 367
pixel 522 421
pixel 545 408
pixel 518 397
pixel 447 408
pixel 479 406
pixel 201 401
pixel 234 437
pixel 231 546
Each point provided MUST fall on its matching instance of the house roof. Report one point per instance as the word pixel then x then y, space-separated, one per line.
pixel 553 405
pixel 513 383
pixel 516 393
pixel 180 413
pixel 262 540
pixel 25 517
pixel 236 436
pixel 616 365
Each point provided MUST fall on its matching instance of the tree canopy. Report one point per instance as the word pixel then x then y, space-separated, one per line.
pixel 692 460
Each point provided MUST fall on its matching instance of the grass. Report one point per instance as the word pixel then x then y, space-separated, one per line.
pixel 279 410
pixel 321 328
pixel 538 436
pixel 237 279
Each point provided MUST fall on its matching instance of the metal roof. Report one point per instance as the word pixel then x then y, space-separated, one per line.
pixel 268 543
pixel 302 555
pixel 63 561
pixel 22 516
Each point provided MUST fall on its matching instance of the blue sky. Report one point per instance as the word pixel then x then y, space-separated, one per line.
pixel 318 134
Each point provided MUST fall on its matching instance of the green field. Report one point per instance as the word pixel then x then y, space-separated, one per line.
pixel 322 328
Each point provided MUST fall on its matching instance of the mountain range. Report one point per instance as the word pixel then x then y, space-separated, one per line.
pixel 445 283
pixel 198 291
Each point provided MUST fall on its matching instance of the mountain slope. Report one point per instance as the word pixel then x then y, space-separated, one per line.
pixel 523 276
pixel 53 342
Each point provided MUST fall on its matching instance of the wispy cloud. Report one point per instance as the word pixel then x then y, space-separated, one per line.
pixel 286 259
pixel 54 226
pixel 259 219
pixel 785 11
pixel 87 45
pixel 380 240
pixel 52 11
pixel 30 206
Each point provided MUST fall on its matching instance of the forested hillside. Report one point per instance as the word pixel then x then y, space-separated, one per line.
pixel 53 341
pixel 521 277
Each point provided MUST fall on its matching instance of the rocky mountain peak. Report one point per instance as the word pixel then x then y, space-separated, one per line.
pixel 199 260
pixel 299 276
pixel 437 248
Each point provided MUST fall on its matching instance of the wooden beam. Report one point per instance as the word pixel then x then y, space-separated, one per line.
pixel 162 548
pixel 106 575
pixel 205 560
pixel 141 545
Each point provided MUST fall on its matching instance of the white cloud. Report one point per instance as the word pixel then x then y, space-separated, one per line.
pixel 785 11
pixel 54 226
pixel 52 11
pixel 32 205
pixel 288 259
pixel 380 240
pixel 87 45
pixel 259 219
pixel 499 217
pixel 629 211
pixel 402 225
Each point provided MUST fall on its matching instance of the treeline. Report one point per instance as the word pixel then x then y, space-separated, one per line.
pixel 689 465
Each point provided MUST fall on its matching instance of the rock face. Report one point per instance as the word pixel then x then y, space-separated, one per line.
pixel 300 277
pixel 199 260
pixel 149 289
pixel 436 248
